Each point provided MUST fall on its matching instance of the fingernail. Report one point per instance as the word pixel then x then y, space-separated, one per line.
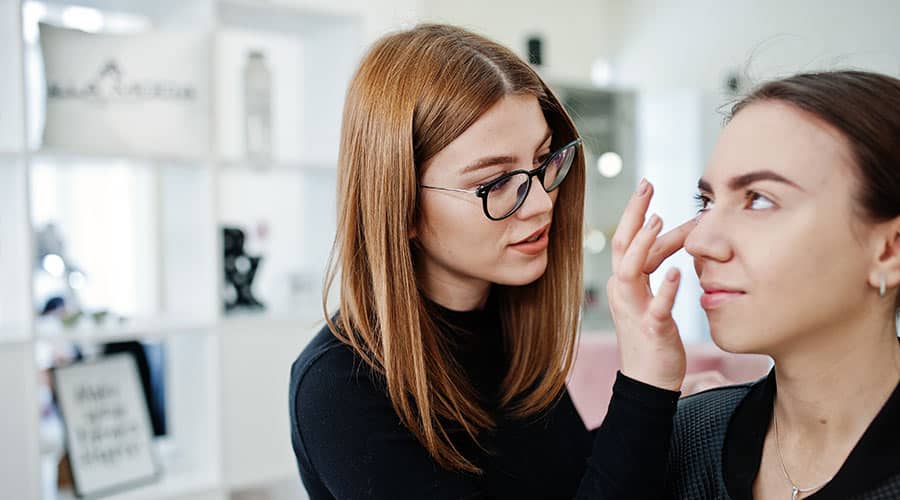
pixel 672 274
pixel 642 187
pixel 652 222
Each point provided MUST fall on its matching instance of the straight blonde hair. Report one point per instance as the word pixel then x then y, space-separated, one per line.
pixel 412 95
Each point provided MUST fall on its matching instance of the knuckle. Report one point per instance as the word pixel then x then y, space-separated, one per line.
pixel 620 276
pixel 657 315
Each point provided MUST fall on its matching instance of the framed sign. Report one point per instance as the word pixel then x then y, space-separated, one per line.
pixel 107 422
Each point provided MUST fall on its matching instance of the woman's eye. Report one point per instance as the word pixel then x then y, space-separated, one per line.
pixel 703 202
pixel 541 159
pixel 756 201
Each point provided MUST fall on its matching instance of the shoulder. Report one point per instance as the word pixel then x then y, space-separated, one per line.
pixel 698 437
pixel 703 418
pixel 326 370
pixel 333 394
pixel 712 403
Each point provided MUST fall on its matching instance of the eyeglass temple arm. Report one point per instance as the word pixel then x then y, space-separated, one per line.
pixel 449 189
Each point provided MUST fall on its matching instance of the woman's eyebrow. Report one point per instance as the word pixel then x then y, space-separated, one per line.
pixel 490 161
pixel 744 180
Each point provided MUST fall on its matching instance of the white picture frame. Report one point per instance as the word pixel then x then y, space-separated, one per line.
pixel 109 436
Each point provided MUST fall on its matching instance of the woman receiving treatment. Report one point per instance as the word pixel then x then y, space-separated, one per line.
pixel 797 247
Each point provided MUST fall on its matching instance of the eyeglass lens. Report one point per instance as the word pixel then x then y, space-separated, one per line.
pixel 507 195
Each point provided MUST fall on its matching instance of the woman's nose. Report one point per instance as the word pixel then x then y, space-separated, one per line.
pixel 708 239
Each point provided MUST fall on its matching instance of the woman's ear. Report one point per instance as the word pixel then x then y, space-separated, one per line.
pixel 887 264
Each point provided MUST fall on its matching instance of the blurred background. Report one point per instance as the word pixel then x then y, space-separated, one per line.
pixel 167 178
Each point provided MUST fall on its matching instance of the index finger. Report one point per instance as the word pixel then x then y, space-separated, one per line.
pixel 668 244
pixel 631 221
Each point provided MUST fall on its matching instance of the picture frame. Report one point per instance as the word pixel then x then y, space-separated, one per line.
pixel 109 435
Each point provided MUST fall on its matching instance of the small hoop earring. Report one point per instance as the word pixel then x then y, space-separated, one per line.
pixel 882 284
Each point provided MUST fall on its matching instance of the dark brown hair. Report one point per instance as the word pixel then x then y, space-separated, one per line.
pixel 865 108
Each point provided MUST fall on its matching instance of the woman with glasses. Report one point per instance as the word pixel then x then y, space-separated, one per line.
pixel 797 248
pixel 458 258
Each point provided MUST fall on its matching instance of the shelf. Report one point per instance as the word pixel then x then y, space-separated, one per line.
pixel 272 323
pixel 311 167
pixel 12 336
pixel 168 488
pixel 263 482
pixel 112 331
pixel 276 486
pixel 75 158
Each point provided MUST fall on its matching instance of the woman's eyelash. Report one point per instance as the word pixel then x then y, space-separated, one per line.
pixel 753 196
pixel 750 197
pixel 702 201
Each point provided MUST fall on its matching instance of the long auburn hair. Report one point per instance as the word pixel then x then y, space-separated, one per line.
pixel 414 93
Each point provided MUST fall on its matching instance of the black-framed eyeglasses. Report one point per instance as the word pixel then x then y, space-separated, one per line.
pixel 501 197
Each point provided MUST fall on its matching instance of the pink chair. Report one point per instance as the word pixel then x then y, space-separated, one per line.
pixel 597 360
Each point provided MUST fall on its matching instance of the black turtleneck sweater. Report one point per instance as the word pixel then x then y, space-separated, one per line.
pixel 350 444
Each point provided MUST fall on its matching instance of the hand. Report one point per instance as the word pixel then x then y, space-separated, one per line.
pixel 650 347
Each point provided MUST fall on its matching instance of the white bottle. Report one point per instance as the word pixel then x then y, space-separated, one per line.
pixel 257 110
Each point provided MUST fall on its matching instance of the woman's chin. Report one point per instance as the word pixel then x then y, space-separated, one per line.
pixel 525 275
pixel 733 340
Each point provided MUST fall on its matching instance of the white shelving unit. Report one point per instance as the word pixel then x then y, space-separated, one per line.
pixel 157 219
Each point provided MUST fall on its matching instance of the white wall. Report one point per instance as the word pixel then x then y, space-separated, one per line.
pixel 574 31
pixel 694 43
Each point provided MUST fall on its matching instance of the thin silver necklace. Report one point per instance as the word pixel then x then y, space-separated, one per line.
pixel 795 490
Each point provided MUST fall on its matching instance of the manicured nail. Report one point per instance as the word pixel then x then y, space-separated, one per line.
pixel 642 187
pixel 672 274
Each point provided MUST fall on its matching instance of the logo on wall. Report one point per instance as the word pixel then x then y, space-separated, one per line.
pixel 110 84
pixel 135 95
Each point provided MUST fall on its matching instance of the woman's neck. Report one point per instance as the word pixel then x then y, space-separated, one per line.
pixel 831 388
pixel 456 294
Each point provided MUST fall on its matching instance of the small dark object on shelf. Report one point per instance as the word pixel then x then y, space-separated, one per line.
pixel 240 270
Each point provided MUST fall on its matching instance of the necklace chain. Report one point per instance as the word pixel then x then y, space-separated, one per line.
pixel 795 490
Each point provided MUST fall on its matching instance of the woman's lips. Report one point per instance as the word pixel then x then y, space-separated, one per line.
pixel 716 297
pixel 534 247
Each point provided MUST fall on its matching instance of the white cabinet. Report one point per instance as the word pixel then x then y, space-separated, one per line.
pixel 145 232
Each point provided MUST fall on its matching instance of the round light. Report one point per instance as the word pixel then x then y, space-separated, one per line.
pixel 595 241
pixel 609 164
pixel 83 18
pixel 601 73
pixel 54 265
pixel 77 280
